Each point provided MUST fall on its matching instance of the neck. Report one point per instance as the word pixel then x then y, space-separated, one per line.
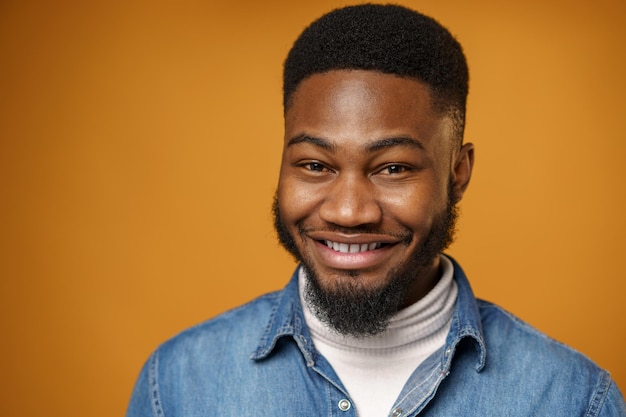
pixel 424 282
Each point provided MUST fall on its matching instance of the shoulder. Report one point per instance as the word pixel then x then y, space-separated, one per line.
pixel 505 332
pixel 200 359
pixel 227 340
pixel 221 345
pixel 244 325
pixel 516 351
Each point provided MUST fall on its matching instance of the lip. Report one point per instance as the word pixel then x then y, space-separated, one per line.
pixel 352 261
pixel 358 238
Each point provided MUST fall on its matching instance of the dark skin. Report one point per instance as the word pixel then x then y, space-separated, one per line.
pixel 366 170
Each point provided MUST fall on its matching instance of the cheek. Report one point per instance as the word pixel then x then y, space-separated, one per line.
pixel 417 207
pixel 295 201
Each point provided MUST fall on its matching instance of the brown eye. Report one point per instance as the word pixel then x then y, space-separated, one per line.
pixel 315 166
pixel 394 169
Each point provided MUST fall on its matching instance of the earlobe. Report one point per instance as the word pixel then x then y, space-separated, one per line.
pixel 462 170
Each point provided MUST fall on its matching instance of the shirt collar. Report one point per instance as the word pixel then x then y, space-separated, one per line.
pixel 287 320
pixel 466 321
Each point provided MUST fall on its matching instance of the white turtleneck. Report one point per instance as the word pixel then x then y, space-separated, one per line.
pixel 374 369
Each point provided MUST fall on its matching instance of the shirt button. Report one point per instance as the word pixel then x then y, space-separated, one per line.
pixel 396 412
pixel 344 405
pixel 448 352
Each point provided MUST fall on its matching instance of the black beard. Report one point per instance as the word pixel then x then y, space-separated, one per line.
pixel 354 310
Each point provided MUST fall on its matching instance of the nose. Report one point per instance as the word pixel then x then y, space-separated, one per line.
pixel 350 201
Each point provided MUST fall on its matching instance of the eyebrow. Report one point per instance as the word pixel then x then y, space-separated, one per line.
pixel 394 141
pixel 369 147
pixel 319 142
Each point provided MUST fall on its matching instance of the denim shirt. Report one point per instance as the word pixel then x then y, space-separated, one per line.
pixel 259 360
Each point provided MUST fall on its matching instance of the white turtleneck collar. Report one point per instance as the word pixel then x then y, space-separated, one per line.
pixel 374 369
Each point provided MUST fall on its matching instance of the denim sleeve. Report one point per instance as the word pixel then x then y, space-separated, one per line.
pixel 613 405
pixel 141 400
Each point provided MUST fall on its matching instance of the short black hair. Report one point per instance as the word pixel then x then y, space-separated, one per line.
pixel 389 39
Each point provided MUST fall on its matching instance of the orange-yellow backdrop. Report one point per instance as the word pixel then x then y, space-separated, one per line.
pixel 139 149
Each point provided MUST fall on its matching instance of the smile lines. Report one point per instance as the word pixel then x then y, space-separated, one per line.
pixel 352 247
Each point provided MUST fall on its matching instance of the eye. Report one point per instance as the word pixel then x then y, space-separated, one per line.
pixel 394 169
pixel 314 166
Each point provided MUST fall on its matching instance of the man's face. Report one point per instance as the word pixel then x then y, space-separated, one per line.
pixel 368 182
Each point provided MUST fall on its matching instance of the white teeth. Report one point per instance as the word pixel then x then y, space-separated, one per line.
pixel 352 248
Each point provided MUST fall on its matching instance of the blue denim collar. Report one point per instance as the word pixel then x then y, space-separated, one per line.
pixel 287 319
pixel 466 321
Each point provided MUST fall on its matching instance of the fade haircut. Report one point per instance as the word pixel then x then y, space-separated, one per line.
pixel 390 39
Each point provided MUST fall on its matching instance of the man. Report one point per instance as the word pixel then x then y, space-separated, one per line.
pixel 375 321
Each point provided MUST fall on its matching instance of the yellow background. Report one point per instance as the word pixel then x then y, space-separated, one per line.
pixel 139 151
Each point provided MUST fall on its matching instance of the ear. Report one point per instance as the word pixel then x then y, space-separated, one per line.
pixel 462 170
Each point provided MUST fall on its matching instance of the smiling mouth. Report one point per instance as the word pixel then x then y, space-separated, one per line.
pixel 353 247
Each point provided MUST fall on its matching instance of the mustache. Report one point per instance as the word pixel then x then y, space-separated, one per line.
pixel 405 235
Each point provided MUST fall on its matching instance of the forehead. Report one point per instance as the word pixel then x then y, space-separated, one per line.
pixel 363 105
